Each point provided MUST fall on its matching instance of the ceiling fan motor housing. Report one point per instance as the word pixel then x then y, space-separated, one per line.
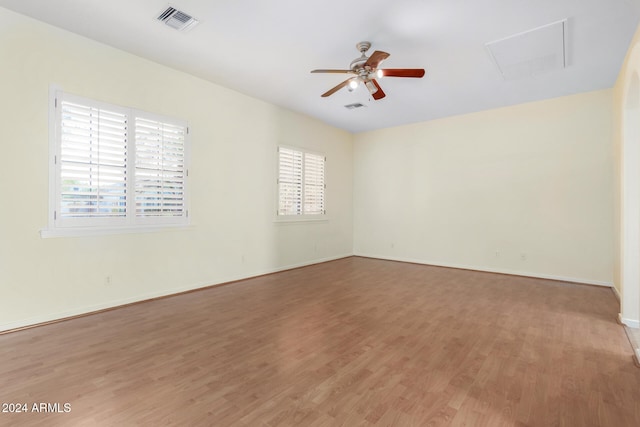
pixel 359 62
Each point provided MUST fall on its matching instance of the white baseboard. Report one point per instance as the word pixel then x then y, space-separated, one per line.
pixel 491 270
pixel 615 292
pixel 167 292
pixel 79 311
pixel 628 322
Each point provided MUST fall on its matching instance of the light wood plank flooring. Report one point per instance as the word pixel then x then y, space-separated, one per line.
pixel 353 342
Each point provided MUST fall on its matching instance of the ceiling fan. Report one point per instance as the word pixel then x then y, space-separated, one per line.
pixel 366 72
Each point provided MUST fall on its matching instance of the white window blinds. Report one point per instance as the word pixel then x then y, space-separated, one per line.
pixel 116 167
pixel 301 182
pixel 160 168
pixel 313 184
pixel 290 182
pixel 93 162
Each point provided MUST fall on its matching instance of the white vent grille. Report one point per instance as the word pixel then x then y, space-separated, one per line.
pixel 354 106
pixel 177 19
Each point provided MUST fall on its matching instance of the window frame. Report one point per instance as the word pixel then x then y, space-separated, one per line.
pixel 302 217
pixel 130 222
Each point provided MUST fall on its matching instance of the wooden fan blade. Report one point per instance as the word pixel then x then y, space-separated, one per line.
pixel 376 58
pixel 379 94
pixel 334 71
pixel 403 72
pixel 335 89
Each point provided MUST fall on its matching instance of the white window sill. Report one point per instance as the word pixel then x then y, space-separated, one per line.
pixel 103 231
pixel 300 219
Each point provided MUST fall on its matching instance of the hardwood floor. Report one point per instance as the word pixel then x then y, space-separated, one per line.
pixel 350 342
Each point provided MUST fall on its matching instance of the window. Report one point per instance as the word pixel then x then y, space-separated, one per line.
pixel 115 167
pixel 301 184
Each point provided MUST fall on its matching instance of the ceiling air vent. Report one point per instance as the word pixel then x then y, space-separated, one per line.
pixel 177 19
pixel 354 106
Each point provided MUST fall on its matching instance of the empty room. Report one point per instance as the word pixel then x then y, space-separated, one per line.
pixel 305 213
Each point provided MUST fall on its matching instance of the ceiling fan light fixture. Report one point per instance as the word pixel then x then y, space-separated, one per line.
pixel 372 88
pixel 379 74
pixel 353 85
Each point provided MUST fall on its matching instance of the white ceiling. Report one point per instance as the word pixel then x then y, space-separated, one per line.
pixel 267 48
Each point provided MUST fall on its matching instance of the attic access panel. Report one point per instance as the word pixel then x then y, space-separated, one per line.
pixel 532 52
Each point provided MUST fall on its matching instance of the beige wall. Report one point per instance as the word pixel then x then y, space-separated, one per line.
pixel 233 174
pixel 524 189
